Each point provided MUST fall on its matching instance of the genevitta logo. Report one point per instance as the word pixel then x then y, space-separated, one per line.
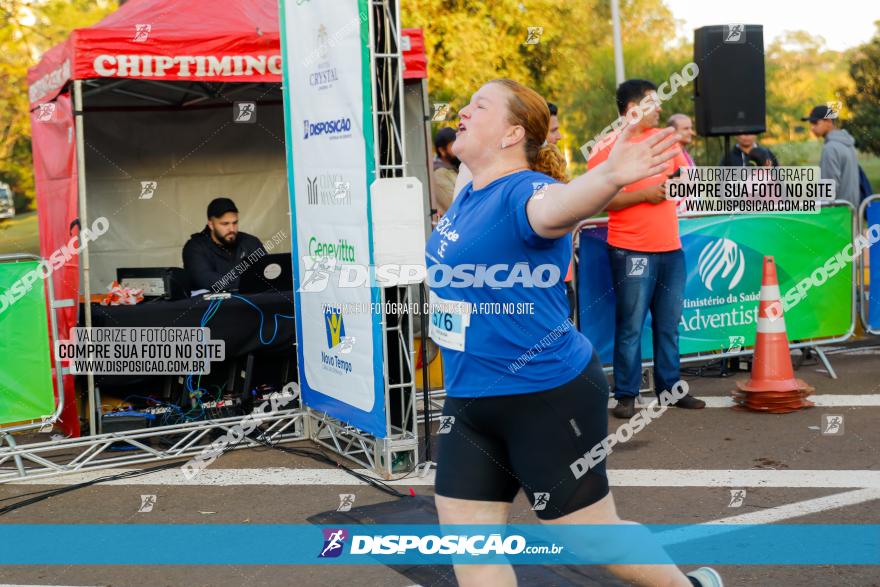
pixel 340 250
pixel 721 261
pixel 339 128
pixel 323 190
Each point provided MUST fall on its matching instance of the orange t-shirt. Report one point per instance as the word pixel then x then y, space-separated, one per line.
pixel 645 227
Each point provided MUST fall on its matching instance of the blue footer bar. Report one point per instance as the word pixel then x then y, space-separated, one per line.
pixel 304 544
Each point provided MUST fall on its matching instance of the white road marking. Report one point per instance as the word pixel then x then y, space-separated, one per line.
pixel 739 478
pixel 618 478
pixel 776 514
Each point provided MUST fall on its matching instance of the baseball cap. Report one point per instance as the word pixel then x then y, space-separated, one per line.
pixel 817 113
pixel 220 206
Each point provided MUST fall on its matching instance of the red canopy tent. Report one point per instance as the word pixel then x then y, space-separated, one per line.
pixel 150 53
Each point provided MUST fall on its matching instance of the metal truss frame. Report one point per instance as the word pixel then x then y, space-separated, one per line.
pixel 398 451
pixel 102 451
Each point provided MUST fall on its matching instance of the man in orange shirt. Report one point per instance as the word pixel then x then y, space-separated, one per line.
pixel 647 263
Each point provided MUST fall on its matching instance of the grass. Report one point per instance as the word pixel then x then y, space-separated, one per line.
pixel 871 165
pixel 20 234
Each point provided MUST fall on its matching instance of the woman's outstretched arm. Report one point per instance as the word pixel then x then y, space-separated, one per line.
pixel 564 205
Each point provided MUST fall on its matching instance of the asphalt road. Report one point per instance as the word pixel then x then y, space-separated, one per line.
pixel 679 470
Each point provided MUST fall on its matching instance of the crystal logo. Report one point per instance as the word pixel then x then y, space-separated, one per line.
pixel 334 540
pixel 323 41
pixel 323 79
pixel 721 261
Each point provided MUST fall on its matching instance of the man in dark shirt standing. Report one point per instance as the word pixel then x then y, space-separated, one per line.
pixel 213 253
pixel 746 153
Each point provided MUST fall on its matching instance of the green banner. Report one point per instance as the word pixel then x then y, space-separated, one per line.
pixel 25 368
pixel 724 257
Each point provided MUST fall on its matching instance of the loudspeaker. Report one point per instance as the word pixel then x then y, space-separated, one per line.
pixel 729 96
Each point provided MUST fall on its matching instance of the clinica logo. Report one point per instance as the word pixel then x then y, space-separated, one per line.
pixel 328 189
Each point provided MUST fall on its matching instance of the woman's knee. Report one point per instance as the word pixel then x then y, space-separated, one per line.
pixel 452 510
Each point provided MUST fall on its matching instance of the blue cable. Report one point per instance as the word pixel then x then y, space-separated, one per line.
pixel 276 316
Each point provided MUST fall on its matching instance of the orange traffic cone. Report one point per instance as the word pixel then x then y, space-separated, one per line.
pixel 772 386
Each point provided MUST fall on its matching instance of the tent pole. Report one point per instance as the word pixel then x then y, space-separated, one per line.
pixel 83 218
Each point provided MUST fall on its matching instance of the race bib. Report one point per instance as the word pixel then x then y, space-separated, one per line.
pixel 449 322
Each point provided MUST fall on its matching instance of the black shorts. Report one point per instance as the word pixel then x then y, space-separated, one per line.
pixel 497 445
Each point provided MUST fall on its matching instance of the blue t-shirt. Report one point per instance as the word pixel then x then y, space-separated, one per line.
pixel 518 338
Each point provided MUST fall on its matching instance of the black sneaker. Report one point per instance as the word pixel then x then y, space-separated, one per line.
pixel 625 408
pixel 689 402
pixel 706 577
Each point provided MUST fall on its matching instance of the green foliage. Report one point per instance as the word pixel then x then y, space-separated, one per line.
pixel 469 43
pixel 798 153
pixel 800 74
pixel 863 102
pixel 29 29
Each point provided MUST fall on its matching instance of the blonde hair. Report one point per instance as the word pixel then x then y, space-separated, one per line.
pixel 526 108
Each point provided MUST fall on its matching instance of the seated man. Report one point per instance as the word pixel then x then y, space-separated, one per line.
pixel 212 254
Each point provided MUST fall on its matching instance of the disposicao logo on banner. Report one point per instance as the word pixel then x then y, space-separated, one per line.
pixel 722 260
pixel 336 129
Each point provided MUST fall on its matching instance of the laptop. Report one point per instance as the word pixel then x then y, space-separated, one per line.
pixel 268 273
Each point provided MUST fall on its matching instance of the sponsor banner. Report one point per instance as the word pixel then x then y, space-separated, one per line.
pixel 429 544
pixel 25 350
pixel 873 213
pixel 724 263
pixel 231 68
pixel 329 131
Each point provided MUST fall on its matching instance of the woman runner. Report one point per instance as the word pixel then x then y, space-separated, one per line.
pixel 526 391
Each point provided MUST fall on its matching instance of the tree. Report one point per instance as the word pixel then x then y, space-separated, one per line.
pixel 863 102
pixel 31 28
pixel 801 73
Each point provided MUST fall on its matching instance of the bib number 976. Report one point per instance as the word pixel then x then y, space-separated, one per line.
pixel 442 320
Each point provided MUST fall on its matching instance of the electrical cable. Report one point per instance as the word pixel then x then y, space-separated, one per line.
pixel 317 455
pixel 44 495
pixel 258 309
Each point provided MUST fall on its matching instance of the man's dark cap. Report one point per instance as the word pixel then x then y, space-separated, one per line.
pixel 817 113
pixel 220 206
